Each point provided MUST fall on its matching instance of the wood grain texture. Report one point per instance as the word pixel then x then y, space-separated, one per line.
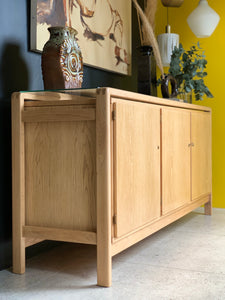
pixel 103 161
pixel 142 232
pixel 58 114
pixel 77 101
pixel 72 171
pixel 127 95
pixel 32 241
pixel 136 165
pixel 57 234
pixel 59 95
pixel 18 184
pixel 41 97
pixel 176 185
pixel 208 206
pixel 60 175
pixel 201 154
pixel 113 162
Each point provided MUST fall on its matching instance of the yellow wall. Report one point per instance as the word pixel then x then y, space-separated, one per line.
pixel 214 47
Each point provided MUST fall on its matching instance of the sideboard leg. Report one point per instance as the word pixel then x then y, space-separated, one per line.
pixel 104 267
pixel 18 255
pixel 18 184
pixel 103 193
pixel 208 207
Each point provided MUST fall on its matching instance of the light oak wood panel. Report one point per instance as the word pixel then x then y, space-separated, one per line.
pixel 176 161
pixel 32 241
pixel 144 231
pixel 84 97
pixel 60 175
pixel 18 185
pixel 59 95
pixel 201 153
pixel 136 165
pixel 65 176
pixel 127 95
pixel 41 103
pixel 58 114
pixel 57 234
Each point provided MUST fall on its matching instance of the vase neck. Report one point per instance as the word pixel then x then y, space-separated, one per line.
pixel 63 32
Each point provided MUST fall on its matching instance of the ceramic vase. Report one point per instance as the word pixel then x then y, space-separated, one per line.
pixel 62 63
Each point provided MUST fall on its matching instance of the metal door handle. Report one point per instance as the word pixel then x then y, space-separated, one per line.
pixel 191 145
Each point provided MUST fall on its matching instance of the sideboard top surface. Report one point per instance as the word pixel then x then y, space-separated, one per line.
pixel 88 96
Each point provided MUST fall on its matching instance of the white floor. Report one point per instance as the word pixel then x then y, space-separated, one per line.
pixel 186 260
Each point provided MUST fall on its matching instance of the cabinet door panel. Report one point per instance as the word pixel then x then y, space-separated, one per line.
pixel 136 165
pixel 175 158
pixel 201 153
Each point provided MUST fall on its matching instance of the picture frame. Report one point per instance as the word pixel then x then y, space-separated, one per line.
pixel 103 26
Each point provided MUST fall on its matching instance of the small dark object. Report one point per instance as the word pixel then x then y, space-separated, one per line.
pixel 147 71
pixel 165 86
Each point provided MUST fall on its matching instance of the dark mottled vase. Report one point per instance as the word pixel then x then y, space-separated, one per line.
pixel 146 71
pixel 62 63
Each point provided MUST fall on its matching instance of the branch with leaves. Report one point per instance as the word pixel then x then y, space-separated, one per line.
pixel 146 25
pixel 188 68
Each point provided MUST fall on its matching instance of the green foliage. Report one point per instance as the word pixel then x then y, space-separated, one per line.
pixel 188 68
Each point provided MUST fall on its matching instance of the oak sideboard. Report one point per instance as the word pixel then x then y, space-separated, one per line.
pixel 106 167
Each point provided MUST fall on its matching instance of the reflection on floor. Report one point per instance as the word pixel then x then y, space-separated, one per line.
pixel 185 260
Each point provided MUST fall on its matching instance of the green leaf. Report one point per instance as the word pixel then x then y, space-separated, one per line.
pixel 188 68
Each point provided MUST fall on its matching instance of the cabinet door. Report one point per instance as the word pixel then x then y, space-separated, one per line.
pixel 136 165
pixel 175 158
pixel 201 153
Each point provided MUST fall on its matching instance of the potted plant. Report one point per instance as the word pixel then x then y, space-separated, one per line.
pixel 188 68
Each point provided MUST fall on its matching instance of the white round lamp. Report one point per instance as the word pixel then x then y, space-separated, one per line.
pixel 203 20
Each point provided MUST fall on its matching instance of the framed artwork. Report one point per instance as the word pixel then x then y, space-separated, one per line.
pixel 103 26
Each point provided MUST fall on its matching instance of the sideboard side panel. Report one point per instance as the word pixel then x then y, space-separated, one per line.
pixel 60 175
